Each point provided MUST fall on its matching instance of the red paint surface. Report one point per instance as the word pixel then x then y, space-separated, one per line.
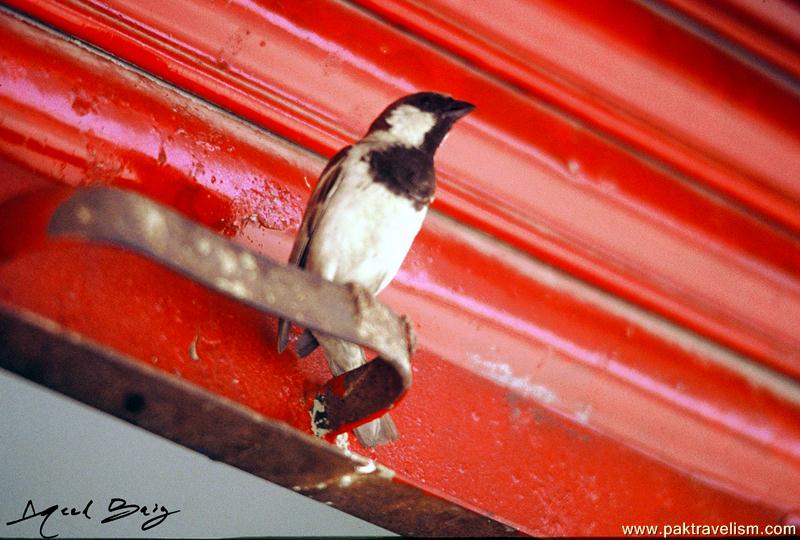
pixel 647 79
pixel 33 207
pixel 771 29
pixel 593 204
pixel 536 398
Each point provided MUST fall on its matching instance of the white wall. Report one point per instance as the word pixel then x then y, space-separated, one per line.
pixel 54 450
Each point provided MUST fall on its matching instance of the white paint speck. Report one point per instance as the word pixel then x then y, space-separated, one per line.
pixel 153 222
pixel 236 288
pixel 248 261
pixel 228 262
pixel 345 481
pixel 584 414
pixel 502 374
pixel 84 215
pixel 367 468
pixel 385 472
pixel 573 166
pixel 203 246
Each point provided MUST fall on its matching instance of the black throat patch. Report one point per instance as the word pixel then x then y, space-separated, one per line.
pixel 405 171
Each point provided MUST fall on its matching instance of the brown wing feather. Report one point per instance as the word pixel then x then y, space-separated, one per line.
pixel 328 182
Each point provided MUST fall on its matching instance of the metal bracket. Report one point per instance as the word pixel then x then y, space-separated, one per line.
pixel 128 220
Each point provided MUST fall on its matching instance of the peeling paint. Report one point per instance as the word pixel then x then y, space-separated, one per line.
pixel 343 443
pixel 502 374
pixel 317 409
pixel 367 468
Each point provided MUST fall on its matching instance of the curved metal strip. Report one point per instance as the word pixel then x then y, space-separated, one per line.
pixel 126 219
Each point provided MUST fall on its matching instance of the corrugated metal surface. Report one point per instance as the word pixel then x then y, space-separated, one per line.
pixel 615 145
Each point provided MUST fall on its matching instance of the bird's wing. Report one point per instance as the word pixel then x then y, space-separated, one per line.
pixel 328 184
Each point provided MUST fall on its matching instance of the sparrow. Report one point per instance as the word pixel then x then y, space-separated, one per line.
pixel 367 208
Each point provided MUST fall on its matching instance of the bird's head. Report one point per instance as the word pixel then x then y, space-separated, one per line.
pixel 419 120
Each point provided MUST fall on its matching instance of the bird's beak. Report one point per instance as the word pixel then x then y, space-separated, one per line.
pixel 456 109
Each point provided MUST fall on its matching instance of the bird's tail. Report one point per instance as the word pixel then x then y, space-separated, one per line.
pixel 345 356
pixel 283 334
pixel 379 431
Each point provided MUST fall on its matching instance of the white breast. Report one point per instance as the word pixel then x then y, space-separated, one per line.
pixel 366 230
